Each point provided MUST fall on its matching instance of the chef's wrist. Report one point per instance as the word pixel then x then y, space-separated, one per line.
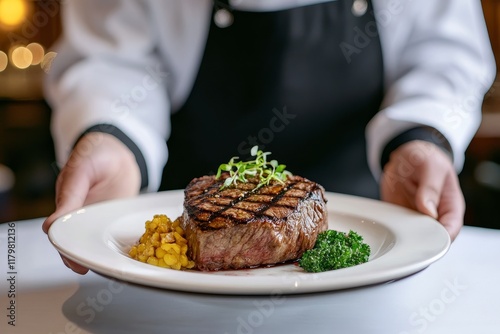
pixel 122 137
pixel 423 133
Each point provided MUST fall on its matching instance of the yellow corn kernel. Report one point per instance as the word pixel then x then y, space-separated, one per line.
pixel 151 251
pixel 152 225
pixel 171 248
pixel 179 238
pixel 161 263
pixel 160 253
pixel 168 238
pixel 141 248
pixel 184 260
pixel 133 251
pixel 163 244
pixel 170 259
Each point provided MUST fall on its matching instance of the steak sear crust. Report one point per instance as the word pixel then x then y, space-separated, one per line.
pixel 244 227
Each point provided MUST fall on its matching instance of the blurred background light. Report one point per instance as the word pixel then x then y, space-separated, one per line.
pixel 37 51
pixel 21 57
pixel 6 178
pixel 3 61
pixel 47 60
pixel 487 173
pixel 13 12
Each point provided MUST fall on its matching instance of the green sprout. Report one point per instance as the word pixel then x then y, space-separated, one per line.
pixel 335 250
pixel 265 170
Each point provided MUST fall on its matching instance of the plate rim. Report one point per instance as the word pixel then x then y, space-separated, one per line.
pixel 298 283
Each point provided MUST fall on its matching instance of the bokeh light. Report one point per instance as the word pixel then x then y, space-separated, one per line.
pixel 47 60
pixel 12 12
pixel 37 51
pixel 3 61
pixel 21 57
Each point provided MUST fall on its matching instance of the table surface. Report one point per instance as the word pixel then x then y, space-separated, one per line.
pixel 460 293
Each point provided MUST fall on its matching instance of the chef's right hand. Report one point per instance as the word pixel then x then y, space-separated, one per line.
pixel 100 168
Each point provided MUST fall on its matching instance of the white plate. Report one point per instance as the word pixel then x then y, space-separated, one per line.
pixel 402 242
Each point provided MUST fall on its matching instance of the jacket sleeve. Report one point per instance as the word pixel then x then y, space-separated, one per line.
pixel 107 77
pixel 438 66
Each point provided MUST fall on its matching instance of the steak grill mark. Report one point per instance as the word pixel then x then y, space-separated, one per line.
pixel 244 203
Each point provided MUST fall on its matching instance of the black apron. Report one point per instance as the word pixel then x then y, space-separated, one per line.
pixel 301 83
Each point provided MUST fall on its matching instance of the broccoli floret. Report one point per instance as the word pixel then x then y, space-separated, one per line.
pixel 335 250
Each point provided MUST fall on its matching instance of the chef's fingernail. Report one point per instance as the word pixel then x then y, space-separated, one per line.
pixel 431 207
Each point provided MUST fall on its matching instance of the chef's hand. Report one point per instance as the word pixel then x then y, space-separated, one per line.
pixel 99 168
pixel 420 176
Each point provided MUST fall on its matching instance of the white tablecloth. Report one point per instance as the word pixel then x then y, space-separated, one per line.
pixel 458 294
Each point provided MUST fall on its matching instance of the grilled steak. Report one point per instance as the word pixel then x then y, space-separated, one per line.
pixel 244 227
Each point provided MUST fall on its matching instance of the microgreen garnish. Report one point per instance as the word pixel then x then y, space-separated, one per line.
pixel 265 170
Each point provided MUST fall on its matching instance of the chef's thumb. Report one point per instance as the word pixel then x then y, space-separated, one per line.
pixel 427 198
pixel 72 189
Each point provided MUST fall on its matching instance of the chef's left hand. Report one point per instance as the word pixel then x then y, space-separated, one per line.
pixel 420 176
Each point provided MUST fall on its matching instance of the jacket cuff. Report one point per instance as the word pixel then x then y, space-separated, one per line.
pixel 424 133
pixel 121 136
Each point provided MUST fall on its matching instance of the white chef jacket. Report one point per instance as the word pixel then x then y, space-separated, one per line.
pixel 131 63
